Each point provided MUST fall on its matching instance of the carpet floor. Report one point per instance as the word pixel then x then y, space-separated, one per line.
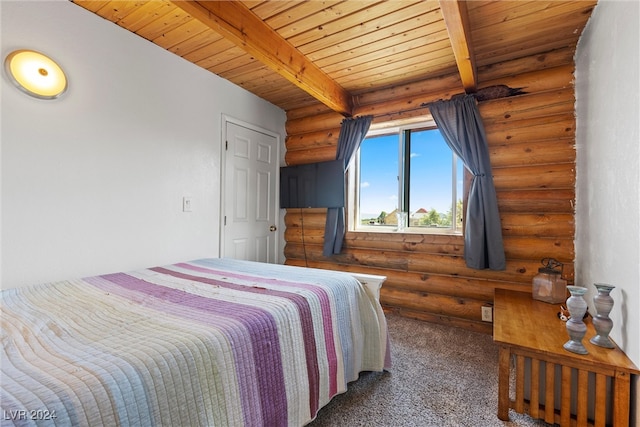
pixel 441 376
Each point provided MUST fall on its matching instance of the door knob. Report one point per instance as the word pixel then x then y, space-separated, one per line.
pixel 273 228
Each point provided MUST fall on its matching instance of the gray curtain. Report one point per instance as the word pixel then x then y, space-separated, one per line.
pixel 462 128
pixel 352 132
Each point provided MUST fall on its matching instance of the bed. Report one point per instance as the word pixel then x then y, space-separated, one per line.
pixel 211 342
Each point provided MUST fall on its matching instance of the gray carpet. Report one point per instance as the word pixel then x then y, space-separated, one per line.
pixel 441 376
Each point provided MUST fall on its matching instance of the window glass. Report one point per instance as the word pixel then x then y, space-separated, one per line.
pixel 430 174
pixel 409 180
pixel 378 184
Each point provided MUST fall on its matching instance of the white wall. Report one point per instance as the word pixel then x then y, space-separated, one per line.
pixel 608 164
pixel 93 182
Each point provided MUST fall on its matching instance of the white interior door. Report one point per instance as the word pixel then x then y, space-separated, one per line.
pixel 250 204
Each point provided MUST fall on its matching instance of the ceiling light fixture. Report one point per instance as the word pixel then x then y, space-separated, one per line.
pixel 35 74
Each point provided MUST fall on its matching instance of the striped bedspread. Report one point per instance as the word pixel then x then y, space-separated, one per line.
pixel 213 342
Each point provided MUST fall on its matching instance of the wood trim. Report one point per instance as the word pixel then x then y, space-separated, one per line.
pixel 456 19
pixel 237 23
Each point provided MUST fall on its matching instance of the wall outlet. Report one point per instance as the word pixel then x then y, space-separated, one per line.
pixel 487 313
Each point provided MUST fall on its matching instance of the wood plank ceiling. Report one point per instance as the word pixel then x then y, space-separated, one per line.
pixel 296 53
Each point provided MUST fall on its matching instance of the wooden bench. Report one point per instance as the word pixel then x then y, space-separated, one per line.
pixel 594 389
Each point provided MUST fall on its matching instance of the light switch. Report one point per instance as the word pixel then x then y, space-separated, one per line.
pixel 186 204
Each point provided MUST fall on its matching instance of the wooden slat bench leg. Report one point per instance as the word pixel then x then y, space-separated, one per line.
pixel 535 389
pixel 504 366
pixel 549 399
pixel 600 401
pixel 621 398
pixel 583 390
pixel 519 384
pixel 565 394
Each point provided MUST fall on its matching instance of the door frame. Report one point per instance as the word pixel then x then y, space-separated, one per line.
pixel 225 119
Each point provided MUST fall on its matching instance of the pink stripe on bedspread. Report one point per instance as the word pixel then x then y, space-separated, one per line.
pixel 305 320
pixel 262 330
pixel 325 306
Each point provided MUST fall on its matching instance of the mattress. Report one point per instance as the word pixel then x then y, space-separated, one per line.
pixel 211 342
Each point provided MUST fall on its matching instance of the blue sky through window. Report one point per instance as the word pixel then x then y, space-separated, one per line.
pixel 378 175
pixel 430 173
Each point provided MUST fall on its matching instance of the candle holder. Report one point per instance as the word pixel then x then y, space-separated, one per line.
pixel 576 328
pixel 601 322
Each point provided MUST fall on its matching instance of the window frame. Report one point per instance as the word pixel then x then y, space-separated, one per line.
pixel 353 179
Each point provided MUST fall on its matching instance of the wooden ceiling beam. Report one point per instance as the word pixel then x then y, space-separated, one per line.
pixel 234 21
pixel 456 18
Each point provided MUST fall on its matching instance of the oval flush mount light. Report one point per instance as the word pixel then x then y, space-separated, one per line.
pixel 35 74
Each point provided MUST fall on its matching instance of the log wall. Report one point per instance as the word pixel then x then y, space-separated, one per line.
pixel 532 145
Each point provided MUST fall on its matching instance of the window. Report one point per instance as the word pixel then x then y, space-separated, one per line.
pixel 407 179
